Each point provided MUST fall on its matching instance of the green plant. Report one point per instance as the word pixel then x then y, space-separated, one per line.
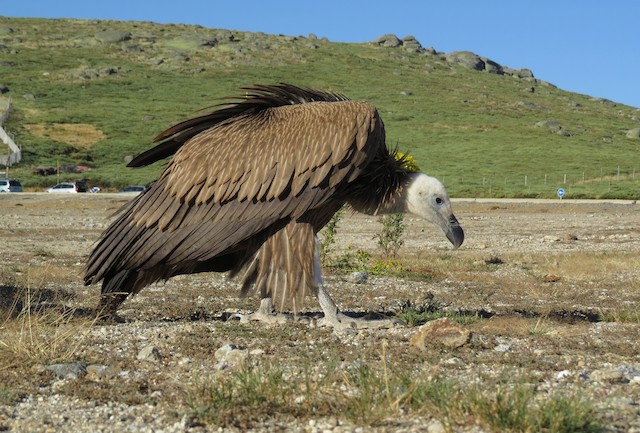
pixel 328 236
pixel 390 237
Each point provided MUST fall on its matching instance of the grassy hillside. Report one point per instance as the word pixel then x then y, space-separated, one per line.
pixel 95 92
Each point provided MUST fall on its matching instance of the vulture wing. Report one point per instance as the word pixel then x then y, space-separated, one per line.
pixel 277 173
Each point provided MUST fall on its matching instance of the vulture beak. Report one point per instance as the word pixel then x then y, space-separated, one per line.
pixel 453 231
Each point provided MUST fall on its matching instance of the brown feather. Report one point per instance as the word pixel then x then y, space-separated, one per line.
pixel 248 188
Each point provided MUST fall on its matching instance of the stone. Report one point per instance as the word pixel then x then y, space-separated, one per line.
pixel 112 36
pixel 633 133
pixel 229 356
pixel 149 353
pixel 443 332
pixel 466 59
pixel 70 370
pixel 410 43
pixel 436 426
pixel 492 67
pixel 388 40
pixel 608 375
pixel 359 277
pixel 550 124
pixel 99 373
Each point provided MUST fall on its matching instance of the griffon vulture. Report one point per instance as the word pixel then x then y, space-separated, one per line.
pixel 248 189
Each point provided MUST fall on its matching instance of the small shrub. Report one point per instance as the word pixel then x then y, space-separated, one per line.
pixel 328 235
pixel 390 238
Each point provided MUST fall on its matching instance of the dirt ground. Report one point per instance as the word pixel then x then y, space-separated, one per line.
pixel 552 287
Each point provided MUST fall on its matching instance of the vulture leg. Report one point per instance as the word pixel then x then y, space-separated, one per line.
pixel 333 317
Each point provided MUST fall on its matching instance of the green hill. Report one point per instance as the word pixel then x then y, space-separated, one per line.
pixel 93 93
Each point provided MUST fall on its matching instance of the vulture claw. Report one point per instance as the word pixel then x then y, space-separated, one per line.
pixel 342 323
pixel 265 314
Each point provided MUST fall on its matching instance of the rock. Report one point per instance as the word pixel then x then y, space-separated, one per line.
pixel 550 124
pixel 70 370
pixel 550 278
pixel 466 59
pixel 609 375
pixel 436 426
pixel 388 41
pixel 193 42
pixel 492 67
pixel 224 350
pixel 359 277
pixel 229 356
pixel 410 43
pixel 5 30
pixel 112 36
pixel 518 73
pixel 99 373
pixel 441 332
pixel 502 347
pixel 633 133
pixel 149 353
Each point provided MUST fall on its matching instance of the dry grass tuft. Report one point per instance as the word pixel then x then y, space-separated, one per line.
pixel 35 331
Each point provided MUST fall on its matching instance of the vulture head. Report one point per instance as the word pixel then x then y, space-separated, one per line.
pixel 427 198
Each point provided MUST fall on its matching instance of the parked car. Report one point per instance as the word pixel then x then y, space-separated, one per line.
pixel 10 185
pixel 68 187
pixel 137 189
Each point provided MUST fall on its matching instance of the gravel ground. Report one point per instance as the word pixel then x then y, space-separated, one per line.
pixel 542 275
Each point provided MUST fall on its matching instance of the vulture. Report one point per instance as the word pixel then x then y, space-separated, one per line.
pixel 248 188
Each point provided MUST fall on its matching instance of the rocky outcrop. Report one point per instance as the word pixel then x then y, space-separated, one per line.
pixel 466 59
pixel 408 43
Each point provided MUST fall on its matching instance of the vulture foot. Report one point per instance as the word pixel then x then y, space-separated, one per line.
pixel 265 314
pixel 342 322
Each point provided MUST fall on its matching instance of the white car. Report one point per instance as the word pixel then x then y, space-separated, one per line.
pixel 10 185
pixel 64 187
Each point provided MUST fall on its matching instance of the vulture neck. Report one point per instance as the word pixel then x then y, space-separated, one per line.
pixel 386 199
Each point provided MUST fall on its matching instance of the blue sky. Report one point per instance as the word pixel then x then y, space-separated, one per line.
pixel 589 46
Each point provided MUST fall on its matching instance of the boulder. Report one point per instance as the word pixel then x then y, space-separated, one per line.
pixel 112 36
pixel 467 59
pixel 633 133
pixel 388 41
pixel 550 124
pixel 491 66
pixel 410 43
pixel 518 73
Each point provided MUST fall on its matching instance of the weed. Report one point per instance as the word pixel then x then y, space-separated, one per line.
pixel 42 253
pixel 328 236
pixel 369 393
pixel 390 237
